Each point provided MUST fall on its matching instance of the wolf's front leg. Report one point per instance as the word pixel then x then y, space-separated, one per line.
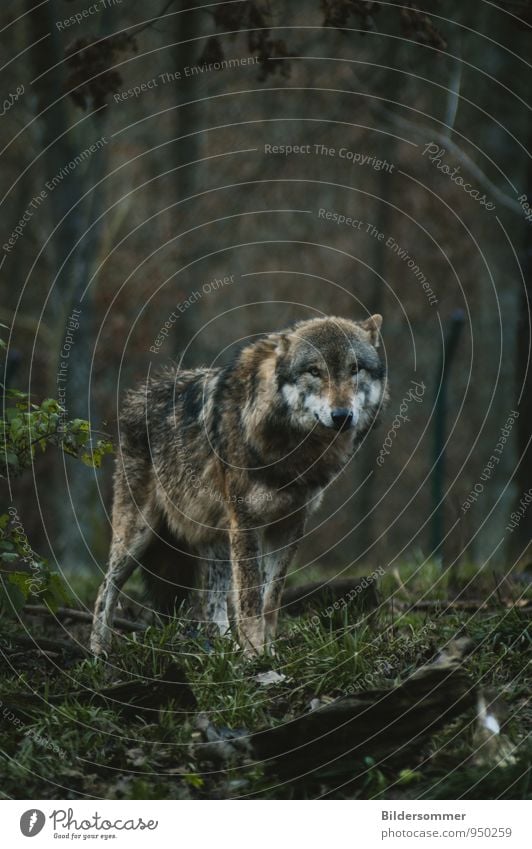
pixel 216 589
pixel 247 587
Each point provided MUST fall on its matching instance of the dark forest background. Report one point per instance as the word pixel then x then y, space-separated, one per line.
pixel 156 193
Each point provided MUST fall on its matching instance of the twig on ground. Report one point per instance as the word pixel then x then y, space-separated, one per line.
pixel 63 613
pixel 446 606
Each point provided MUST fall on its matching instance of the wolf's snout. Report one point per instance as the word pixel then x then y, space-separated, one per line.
pixel 342 418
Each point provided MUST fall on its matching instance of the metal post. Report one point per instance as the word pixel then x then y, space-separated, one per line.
pixel 440 429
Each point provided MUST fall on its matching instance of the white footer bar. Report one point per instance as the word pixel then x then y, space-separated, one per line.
pixel 266 824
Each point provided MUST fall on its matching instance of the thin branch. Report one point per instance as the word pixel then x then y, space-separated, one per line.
pixel 473 606
pixel 465 160
pixel 431 134
pixel 42 643
pixel 453 100
pixel 154 19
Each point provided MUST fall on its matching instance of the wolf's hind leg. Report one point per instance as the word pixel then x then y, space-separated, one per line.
pixel 132 531
pixel 216 589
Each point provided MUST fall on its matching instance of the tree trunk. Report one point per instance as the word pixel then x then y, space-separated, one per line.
pixel 520 538
pixel 76 497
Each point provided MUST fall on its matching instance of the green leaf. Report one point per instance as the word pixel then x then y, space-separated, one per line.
pixel 9 557
pixel 20 580
pixel 50 405
pixel 408 776
pixel 56 592
pixel 15 393
pixel 79 425
pixel 11 596
pixel 194 780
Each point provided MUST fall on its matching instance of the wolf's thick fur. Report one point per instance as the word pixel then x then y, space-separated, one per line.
pixel 234 459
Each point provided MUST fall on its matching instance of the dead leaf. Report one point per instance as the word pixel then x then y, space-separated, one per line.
pixel 266 679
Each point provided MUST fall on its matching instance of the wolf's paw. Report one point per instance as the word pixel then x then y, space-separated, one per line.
pixel 271 650
pixel 252 649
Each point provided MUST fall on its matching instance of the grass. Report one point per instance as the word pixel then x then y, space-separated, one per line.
pixel 71 749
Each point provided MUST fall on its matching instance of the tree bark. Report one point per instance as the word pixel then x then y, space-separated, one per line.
pixel 61 142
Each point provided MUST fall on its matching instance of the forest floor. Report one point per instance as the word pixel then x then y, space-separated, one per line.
pixel 60 740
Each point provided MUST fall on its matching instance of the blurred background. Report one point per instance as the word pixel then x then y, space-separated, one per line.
pixel 243 165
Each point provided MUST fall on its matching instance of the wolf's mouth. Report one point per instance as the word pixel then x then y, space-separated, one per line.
pixel 339 423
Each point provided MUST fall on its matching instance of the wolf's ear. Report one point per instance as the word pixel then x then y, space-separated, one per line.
pixel 283 343
pixel 372 325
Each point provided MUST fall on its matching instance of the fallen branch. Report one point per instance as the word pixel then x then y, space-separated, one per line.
pixel 141 695
pixel 445 606
pixel 381 724
pixel 63 613
pixel 337 737
pixel 43 644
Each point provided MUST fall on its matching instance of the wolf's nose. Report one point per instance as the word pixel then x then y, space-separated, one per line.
pixel 342 418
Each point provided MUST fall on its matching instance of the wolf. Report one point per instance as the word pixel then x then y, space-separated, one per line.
pixel 233 460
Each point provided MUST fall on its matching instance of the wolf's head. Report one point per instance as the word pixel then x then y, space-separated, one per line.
pixel 330 374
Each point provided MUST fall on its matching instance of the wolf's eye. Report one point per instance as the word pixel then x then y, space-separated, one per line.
pixel 314 371
pixel 354 369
